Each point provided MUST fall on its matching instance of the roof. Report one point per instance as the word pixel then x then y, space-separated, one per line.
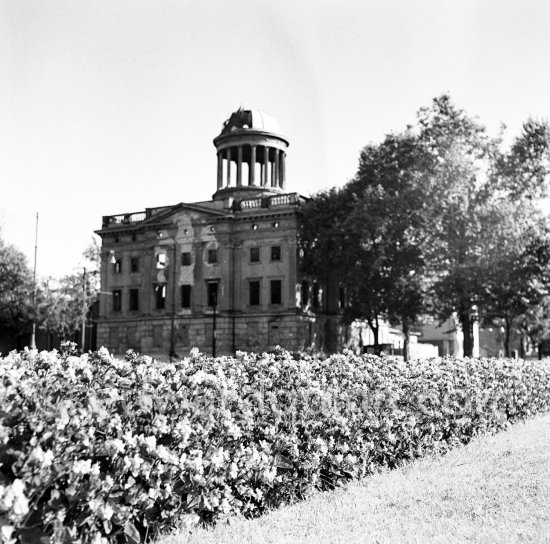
pixel 245 119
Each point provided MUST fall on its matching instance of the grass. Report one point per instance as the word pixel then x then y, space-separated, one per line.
pixel 495 489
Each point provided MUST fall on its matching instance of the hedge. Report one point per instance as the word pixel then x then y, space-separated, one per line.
pixel 98 450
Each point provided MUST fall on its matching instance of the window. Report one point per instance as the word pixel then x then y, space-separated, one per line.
pixel 212 256
pixel 134 264
pixel 117 299
pixel 275 253
pixel 134 300
pixel 276 291
pixel 212 294
pixel 186 258
pixel 117 266
pixel 160 296
pixel 254 254
pixel 161 260
pixel 186 296
pixel 254 292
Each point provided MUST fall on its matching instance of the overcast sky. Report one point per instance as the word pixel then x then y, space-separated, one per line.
pixel 110 106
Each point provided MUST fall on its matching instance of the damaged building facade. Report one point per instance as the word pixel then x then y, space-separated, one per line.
pixel 220 275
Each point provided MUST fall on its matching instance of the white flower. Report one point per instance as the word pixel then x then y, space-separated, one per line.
pixel 115 446
pixel 195 353
pixel 106 511
pixel 13 497
pixel 150 442
pixel 82 466
pixel 218 458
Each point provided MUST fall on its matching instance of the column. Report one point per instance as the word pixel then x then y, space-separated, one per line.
pixel 228 157
pixel 282 181
pixel 239 165
pixel 275 182
pixel 266 166
pixel 220 169
pixel 252 166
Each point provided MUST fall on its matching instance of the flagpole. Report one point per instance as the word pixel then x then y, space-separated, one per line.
pixel 33 336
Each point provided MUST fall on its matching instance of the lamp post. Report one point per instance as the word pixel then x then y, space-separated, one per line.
pixel 173 305
pixel 33 335
pixel 214 303
pixel 83 337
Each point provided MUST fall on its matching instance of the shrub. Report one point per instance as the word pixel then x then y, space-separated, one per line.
pixel 97 450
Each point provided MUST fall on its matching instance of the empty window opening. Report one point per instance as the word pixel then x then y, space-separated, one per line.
pixel 117 300
pixel 212 294
pixel 254 254
pixel 186 296
pixel 160 296
pixel 186 258
pixel 275 253
pixel 134 300
pixel 276 291
pixel 254 292
pixel 134 264
pixel 212 256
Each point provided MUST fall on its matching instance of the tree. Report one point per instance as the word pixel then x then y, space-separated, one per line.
pixel 323 239
pixel 16 289
pixel 366 236
pixel 437 219
pixel 390 222
pixel 518 279
pixel 461 208
pixel 64 303
pixel 534 323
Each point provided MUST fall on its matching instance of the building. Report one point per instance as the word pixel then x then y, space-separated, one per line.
pixel 221 275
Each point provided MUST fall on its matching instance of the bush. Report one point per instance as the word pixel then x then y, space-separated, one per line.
pixel 97 450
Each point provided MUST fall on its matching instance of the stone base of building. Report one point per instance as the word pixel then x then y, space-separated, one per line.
pixel 153 336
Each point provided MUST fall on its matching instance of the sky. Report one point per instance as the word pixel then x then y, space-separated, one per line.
pixel 111 106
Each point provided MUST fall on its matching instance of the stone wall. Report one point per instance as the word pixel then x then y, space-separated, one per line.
pixel 152 336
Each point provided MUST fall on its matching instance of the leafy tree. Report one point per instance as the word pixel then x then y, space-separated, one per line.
pixel 16 288
pixel 390 221
pixel 323 238
pixel 534 324
pixel 365 235
pixel 437 219
pixel 518 279
pixel 64 303
pixel 461 207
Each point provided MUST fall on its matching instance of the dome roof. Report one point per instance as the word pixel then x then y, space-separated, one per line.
pixel 250 120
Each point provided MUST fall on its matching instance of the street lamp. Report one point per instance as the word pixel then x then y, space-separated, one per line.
pixel 33 335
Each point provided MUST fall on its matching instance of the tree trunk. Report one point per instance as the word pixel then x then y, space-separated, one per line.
pixel 375 327
pixel 466 322
pixel 521 347
pixel 540 351
pixel 507 331
pixel 406 334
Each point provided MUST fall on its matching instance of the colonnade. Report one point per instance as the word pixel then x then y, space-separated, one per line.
pixel 271 160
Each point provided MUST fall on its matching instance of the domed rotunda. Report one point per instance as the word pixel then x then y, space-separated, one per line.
pixel 251 156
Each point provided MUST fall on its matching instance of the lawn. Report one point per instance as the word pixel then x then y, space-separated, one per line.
pixel 495 489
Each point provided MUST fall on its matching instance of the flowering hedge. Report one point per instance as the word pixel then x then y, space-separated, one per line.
pixel 97 450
